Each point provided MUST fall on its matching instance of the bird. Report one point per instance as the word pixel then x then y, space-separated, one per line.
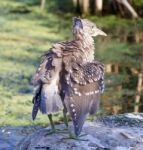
pixel 69 78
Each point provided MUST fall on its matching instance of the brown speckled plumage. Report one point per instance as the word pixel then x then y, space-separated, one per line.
pixel 69 77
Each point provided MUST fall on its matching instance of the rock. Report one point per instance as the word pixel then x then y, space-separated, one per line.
pixel 10 136
pixel 121 132
pixel 122 148
pixel 138 147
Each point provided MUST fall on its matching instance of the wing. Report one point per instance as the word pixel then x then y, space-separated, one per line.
pixel 44 68
pixel 83 85
pixel 46 80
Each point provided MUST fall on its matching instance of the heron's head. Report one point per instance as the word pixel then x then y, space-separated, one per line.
pixel 86 27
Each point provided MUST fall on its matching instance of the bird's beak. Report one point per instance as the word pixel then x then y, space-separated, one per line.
pixel 99 32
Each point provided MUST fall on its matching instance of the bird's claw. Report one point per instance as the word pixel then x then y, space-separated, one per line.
pixel 74 137
pixel 54 131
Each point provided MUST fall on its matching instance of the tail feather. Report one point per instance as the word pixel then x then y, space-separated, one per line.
pixel 36 100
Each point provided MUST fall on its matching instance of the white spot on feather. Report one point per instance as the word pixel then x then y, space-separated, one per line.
pixel 95 79
pixel 75 89
pixel 39 68
pixel 84 83
pixel 91 93
pixel 73 110
pixel 77 93
pixel 97 91
pixel 87 93
pixel 72 105
pixel 90 81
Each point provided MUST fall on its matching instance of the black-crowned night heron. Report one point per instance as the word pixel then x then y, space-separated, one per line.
pixel 68 78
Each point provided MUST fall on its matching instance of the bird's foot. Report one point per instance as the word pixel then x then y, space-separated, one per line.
pixel 83 135
pixel 74 137
pixel 61 131
pixel 54 131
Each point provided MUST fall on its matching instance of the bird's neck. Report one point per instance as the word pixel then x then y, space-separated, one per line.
pixel 86 45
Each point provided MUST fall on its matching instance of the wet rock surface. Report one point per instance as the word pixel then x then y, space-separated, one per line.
pixel 121 132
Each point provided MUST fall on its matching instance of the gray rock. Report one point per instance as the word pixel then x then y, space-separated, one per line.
pixel 121 132
pixel 122 148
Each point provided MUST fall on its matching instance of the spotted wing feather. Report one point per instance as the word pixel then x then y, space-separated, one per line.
pixel 83 91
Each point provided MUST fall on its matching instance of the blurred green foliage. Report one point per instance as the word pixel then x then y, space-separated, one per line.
pixel 138 2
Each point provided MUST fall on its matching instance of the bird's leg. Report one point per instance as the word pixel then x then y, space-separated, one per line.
pixel 52 125
pixel 51 122
pixel 53 130
pixel 71 135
